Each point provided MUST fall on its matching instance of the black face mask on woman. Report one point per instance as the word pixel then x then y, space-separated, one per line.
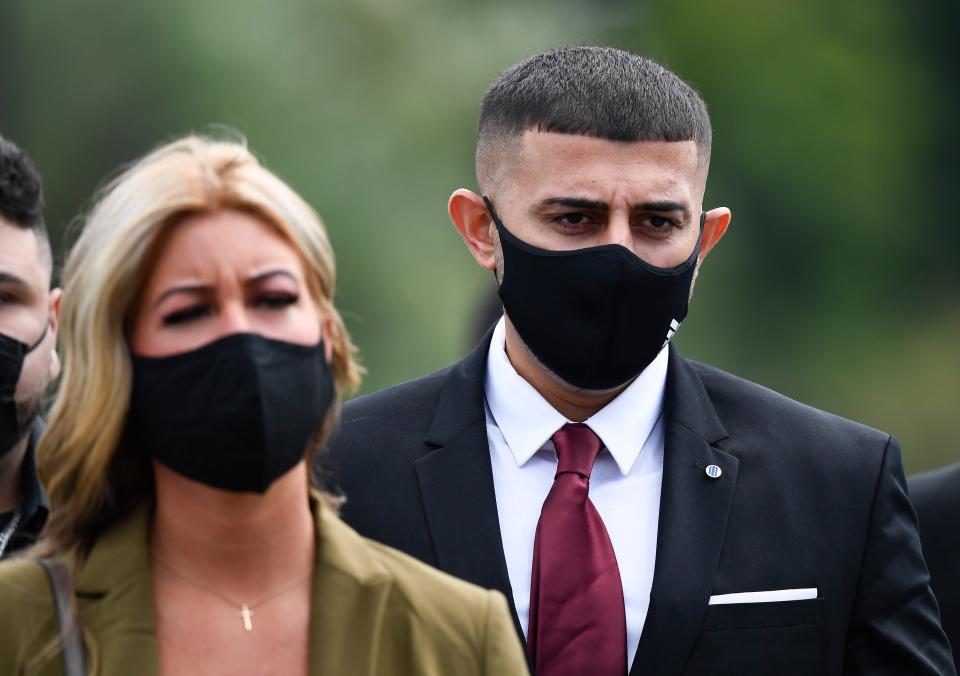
pixel 13 426
pixel 235 414
pixel 595 317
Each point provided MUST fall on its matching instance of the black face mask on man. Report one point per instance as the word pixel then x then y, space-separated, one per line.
pixel 13 423
pixel 595 317
pixel 235 414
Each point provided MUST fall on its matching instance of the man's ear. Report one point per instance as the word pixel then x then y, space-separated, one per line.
pixel 56 297
pixel 714 226
pixel 472 220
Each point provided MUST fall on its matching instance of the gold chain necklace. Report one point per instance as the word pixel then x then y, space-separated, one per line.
pixel 245 610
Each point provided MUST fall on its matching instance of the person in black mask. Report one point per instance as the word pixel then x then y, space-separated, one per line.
pixel 643 512
pixel 203 359
pixel 28 337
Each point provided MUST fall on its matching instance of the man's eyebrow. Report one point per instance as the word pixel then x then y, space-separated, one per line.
pixel 665 205
pixel 12 280
pixel 575 202
pixel 183 288
pixel 595 205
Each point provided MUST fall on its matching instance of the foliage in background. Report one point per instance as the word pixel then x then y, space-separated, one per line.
pixel 834 142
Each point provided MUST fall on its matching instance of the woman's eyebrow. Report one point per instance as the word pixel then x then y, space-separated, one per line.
pixel 258 277
pixel 196 288
pixel 183 288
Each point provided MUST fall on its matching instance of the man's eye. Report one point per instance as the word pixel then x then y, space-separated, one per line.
pixel 660 222
pixel 572 219
pixel 276 301
pixel 187 314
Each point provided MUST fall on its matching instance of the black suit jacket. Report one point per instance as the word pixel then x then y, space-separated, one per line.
pixel 936 495
pixel 806 499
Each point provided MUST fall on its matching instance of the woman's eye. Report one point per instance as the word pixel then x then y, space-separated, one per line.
pixel 276 301
pixel 187 314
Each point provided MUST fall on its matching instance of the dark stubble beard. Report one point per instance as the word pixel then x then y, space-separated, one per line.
pixel 27 414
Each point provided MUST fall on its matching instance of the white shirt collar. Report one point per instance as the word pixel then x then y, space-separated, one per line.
pixel 527 421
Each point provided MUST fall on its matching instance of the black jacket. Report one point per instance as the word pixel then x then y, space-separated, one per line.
pixel 34 506
pixel 806 499
pixel 936 495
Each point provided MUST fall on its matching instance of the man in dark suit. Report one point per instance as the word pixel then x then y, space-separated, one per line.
pixel 936 496
pixel 641 511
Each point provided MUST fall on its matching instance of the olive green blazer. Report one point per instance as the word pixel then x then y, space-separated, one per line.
pixel 375 611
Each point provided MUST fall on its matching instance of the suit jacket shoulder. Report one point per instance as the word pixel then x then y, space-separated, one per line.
pixel 382 437
pixel 745 407
pixel 817 457
pixel 806 459
pixel 398 414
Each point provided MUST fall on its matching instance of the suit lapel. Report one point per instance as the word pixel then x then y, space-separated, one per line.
pixel 456 481
pixel 693 518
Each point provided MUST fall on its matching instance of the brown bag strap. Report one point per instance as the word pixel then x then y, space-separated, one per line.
pixel 74 658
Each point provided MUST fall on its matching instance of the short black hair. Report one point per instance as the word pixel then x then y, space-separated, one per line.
pixel 21 193
pixel 602 92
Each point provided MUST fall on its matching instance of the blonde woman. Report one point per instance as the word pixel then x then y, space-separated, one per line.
pixel 203 356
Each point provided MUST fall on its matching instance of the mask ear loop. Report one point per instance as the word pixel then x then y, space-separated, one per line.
pixel 43 335
pixel 23 349
pixel 492 212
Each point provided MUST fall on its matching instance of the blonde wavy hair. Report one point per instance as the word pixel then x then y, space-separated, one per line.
pixel 92 476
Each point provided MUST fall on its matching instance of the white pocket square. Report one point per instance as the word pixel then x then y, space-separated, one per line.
pixel 764 596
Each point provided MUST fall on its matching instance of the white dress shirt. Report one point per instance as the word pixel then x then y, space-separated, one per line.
pixel 624 485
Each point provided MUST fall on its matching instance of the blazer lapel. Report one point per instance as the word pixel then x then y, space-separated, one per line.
pixel 456 481
pixel 351 590
pixel 693 518
pixel 115 599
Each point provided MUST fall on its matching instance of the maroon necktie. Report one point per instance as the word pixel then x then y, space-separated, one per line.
pixel 577 623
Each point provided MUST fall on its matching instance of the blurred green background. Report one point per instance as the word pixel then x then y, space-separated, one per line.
pixel 835 129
